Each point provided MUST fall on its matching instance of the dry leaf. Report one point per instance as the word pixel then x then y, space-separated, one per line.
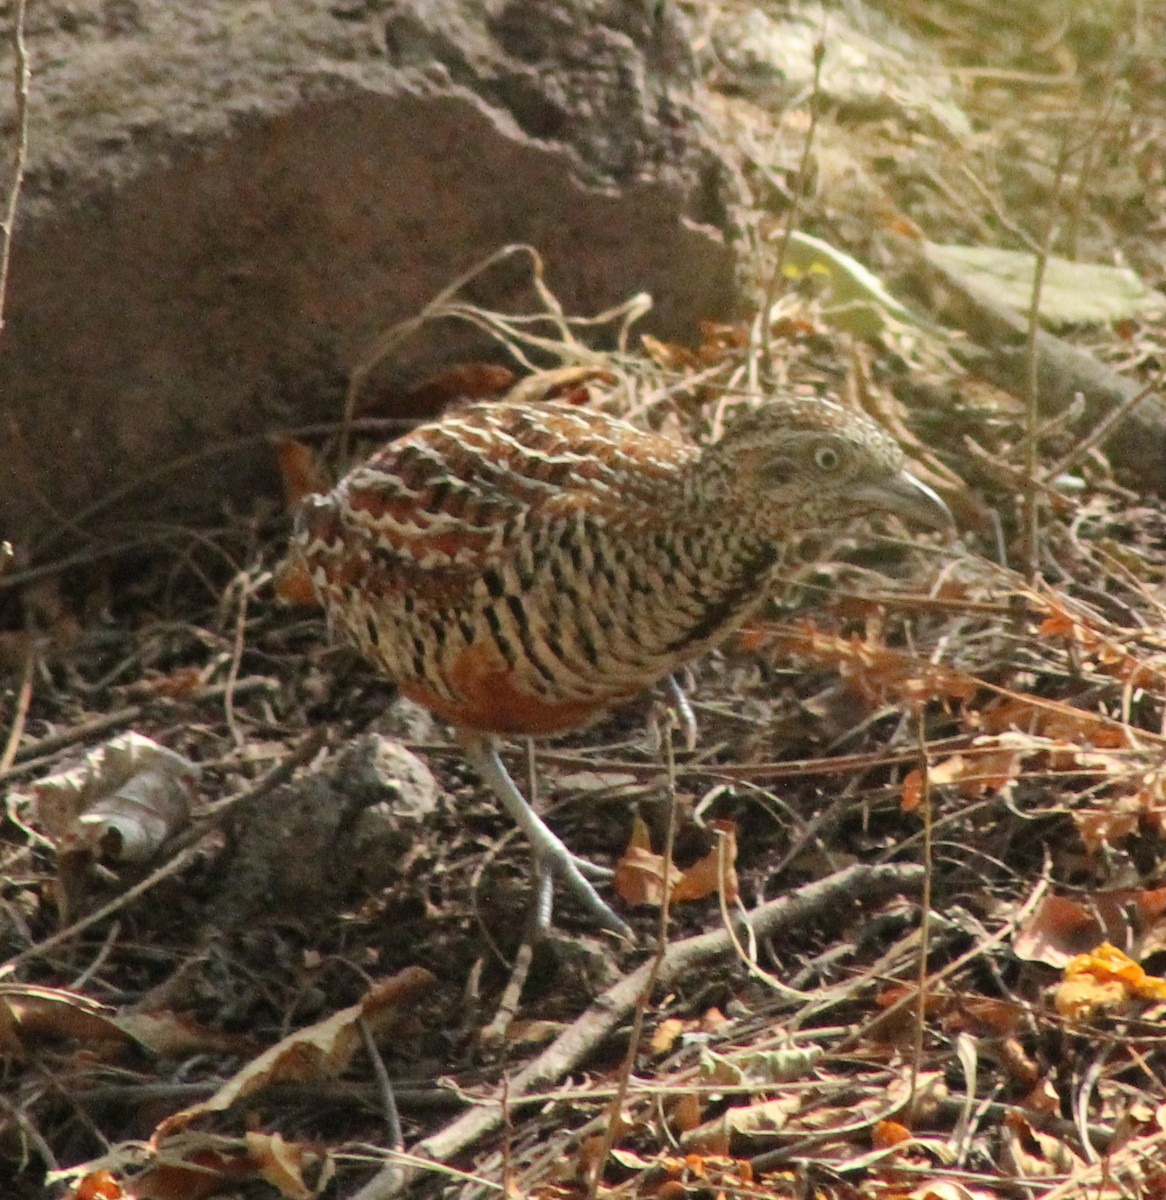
pixel 184 683
pixel 1018 1065
pixel 987 768
pixel 292 584
pixel 751 1123
pixel 687 1112
pixel 321 1051
pixel 672 356
pixel 877 673
pixel 119 803
pixel 564 385
pixel 31 1014
pixel 300 472
pixel 629 1160
pixel 758 1067
pixel 1043 1099
pixel 639 875
pixel 889 1133
pixel 1100 651
pixel 1049 719
pixel 985 1014
pixel 1108 827
pixel 666 1034
pixel 177 1035
pixel 1029 1153
pixel 1057 930
pixel 282 1163
pixel 99 1185
pixel 194 1166
pixel 947 1189
pixel 704 877
pixel 460 384
pixel 1104 978
pixel 713 1020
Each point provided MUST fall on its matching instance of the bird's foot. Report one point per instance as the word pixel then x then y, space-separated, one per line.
pixel 685 717
pixel 675 713
pixel 591 870
pixel 550 855
pixel 573 871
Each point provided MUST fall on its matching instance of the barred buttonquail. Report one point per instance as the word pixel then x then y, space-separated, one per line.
pixel 524 568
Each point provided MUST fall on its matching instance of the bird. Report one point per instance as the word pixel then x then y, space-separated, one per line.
pixel 523 568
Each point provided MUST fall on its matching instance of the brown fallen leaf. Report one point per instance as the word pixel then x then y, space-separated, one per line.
pixel 321 1051
pixel 1060 928
pixel 31 1014
pixel 639 875
pixel 889 1133
pixel 194 1166
pixel 292 584
pixel 749 1124
pixel 460 384
pixel 666 1034
pixel 99 1185
pixel 1030 1154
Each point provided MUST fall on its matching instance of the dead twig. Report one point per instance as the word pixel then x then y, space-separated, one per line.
pixel 924 914
pixel 1102 429
pixel 23 699
pixel 21 78
pixel 612 1126
pixel 120 717
pixel 799 190
pixel 244 588
pixel 1032 422
pixel 384 1087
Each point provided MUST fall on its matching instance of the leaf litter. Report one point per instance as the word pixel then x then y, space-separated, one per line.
pixel 918 704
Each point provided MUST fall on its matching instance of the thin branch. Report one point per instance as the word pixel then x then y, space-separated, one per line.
pixel 21 77
pixel 1031 523
pixel 799 190
pixel 615 1109
pixel 925 922
pixel 1103 429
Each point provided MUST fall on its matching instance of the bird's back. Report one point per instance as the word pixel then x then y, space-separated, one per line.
pixel 509 566
pixel 521 568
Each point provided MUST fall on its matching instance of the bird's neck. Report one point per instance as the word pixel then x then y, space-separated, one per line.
pixel 722 528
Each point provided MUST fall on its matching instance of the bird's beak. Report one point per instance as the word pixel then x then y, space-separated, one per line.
pixel 911 499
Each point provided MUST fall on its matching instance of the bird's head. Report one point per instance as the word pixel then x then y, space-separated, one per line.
pixel 804 465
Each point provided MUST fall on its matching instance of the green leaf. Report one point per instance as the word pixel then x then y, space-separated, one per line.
pixel 856 299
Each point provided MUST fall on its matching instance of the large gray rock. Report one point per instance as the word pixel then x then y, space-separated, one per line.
pixel 226 201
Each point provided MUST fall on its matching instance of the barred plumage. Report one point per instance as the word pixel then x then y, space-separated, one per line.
pixel 523 568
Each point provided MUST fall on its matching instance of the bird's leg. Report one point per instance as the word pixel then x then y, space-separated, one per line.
pixel 549 852
pixel 544 873
pixel 668 715
pixel 538 924
pixel 543 902
pixel 685 717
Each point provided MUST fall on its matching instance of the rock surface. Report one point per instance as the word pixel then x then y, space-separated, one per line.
pixel 344 826
pixel 226 202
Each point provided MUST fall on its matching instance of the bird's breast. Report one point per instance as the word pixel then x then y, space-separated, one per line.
pixel 481 691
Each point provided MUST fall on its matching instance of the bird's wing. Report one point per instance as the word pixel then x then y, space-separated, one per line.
pixel 463 494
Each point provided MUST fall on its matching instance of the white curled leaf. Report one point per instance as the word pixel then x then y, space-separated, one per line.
pixel 121 801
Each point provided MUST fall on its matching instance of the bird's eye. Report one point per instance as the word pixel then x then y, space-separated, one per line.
pixel 827 458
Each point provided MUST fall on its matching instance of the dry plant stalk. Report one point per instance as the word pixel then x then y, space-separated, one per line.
pixel 21 78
